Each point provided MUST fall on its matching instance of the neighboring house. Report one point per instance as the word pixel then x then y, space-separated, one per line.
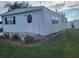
pixel 32 20
pixel 69 24
pixel 75 24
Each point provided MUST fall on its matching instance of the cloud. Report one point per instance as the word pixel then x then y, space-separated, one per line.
pixel 61 5
pixel 71 3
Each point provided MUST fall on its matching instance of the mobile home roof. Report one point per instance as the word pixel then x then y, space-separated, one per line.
pixel 22 10
pixel 25 10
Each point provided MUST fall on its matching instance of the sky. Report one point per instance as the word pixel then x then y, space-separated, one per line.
pixel 70 8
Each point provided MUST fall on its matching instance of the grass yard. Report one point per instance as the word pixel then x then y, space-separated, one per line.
pixel 64 45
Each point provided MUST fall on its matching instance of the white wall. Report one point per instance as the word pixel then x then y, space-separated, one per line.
pixel 37 25
pixel 51 28
pixel 41 23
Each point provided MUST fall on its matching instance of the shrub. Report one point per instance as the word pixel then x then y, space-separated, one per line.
pixel 29 39
pixel 1 37
pixel 6 36
pixel 16 37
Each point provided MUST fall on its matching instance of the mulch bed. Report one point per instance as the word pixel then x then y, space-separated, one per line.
pixel 22 43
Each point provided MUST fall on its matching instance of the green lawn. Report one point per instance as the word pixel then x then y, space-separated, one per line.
pixel 64 45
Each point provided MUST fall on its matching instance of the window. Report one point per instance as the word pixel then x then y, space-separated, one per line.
pixel 11 20
pixel 54 21
pixel 5 20
pixel 29 18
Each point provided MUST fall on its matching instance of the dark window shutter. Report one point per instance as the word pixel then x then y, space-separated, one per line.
pixel 14 20
pixel 6 21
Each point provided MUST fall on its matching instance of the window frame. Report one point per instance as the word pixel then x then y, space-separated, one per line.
pixel 54 21
pixel 11 20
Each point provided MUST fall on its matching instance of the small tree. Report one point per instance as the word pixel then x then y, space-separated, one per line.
pixel 16 5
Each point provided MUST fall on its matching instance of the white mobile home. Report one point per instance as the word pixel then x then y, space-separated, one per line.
pixel 36 20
